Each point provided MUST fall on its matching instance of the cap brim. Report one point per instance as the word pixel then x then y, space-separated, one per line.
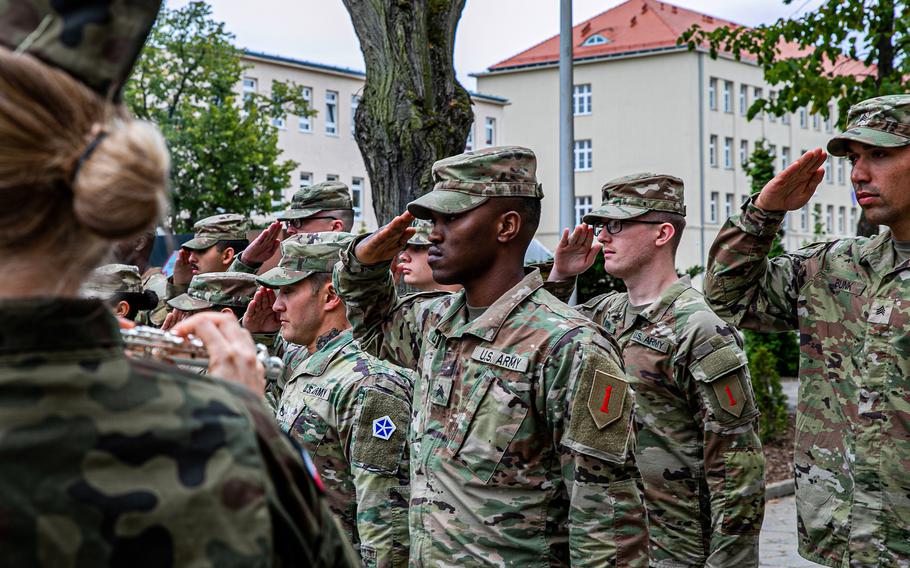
pixel 297 214
pixel 445 202
pixel 198 244
pixel 837 146
pixel 277 277
pixel 185 303
pixel 613 212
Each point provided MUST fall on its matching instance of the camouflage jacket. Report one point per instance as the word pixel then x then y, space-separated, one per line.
pixel 350 411
pixel 851 305
pixel 154 279
pixel 239 266
pixel 520 430
pixel 698 450
pixel 110 461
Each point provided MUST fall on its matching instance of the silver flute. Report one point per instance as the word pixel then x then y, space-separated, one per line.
pixel 143 342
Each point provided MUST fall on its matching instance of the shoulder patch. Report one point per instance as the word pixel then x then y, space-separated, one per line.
pixel 730 395
pixel 600 424
pixel 380 432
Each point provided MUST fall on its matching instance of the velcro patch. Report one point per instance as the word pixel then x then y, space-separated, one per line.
pixel 719 363
pixel 500 359
pixel 442 389
pixel 880 312
pixel 606 399
pixel 843 285
pixel 730 395
pixel 378 440
pixel 651 342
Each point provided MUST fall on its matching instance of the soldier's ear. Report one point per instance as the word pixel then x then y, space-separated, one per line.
pixel 122 309
pixel 227 256
pixel 665 235
pixel 332 299
pixel 509 226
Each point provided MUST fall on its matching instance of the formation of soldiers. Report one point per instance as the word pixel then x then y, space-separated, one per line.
pixel 479 420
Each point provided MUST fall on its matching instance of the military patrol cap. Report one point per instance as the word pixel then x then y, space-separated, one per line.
pixel 631 196
pixel 422 237
pixel 110 279
pixel 882 121
pixel 95 42
pixel 468 180
pixel 305 254
pixel 224 227
pixel 325 196
pixel 212 289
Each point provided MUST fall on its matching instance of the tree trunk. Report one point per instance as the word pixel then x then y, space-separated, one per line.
pixel 413 111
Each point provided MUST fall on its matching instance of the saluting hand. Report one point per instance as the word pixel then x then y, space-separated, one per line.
pixel 263 246
pixel 232 353
pixel 387 242
pixel 259 316
pixel 575 252
pixel 183 272
pixel 792 188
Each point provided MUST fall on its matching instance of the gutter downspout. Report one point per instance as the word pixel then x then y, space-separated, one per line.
pixel 701 154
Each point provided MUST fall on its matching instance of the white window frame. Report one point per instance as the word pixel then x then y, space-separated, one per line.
pixel 584 204
pixel 712 93
pixel 729 204
pixel 744 99
pixel 280 123
pixel 803 118
pixel 581 99
pixel 355 102
pixel 357 197
pixel 728 97
pixel 772 95
pixel 250 87
pixel 829 219
pixel 829 170
pixel 828 120
pixel 489 131
pixel 842 220
pixel 304 124
pixel 469 142
pixel 712 151
pixel 331 177
pixel 804 217
pixel 744 153
pixel 583 155
pixel 331 113
pixel 758 93
pixel 595 39
pixel 712 206
pixel 784 157
pixel 816 122
pixel 305 179
pixel 841 171
pixel 852 229
pixel 728 153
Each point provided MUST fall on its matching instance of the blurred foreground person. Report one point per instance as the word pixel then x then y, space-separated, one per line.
pixel 107 461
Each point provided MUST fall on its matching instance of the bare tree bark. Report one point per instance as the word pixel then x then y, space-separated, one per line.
pixel 413 110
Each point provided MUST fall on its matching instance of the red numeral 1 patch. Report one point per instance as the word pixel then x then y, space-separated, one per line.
pixel 730 395
pixel 605 401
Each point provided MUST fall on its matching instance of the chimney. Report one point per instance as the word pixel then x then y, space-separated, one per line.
pixel 644 7
pixel 586 28
pixel 673 9
pixel 633 22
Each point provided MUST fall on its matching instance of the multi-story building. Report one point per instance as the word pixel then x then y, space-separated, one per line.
pixel 644 103
pixel 323 145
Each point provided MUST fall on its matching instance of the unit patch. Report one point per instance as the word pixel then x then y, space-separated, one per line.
pixel 500 359
pixel 378 443
pixel 730 394
pixel 383 428
pixel 606 399
pixel 651 342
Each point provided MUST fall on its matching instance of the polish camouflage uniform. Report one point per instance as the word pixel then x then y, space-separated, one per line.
pixel 216 290
pixel 207 233
pixel 107 461
pixel 521 425
pixel 850 301
pixel 698 450
pixel 350 411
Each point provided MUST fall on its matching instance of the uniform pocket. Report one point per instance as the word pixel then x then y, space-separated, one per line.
pixel 309 429
pixel 744 487
pixel 485 428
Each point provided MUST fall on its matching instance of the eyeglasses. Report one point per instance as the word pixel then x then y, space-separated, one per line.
pixel 298 223
pixel 614 226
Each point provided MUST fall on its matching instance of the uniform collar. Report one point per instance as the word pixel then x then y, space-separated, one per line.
pixel 657 309
pixel 57 324
pixel 316 364
pixel 878 253
pixel 454 322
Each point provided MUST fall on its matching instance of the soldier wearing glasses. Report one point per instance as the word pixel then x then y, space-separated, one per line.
pixel 698 450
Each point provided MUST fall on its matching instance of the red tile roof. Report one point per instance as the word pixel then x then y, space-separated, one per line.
pixel 631 26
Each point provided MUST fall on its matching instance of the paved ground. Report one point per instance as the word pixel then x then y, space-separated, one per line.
pixel 778 536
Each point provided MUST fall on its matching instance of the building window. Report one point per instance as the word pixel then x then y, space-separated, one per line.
pixel 773 96
pixel 489 131
pixel 744 153
pixel 469 143
pixel 852 220
pixel 829 174
pixel 842 220
pixel 355 102
pixel 816 123
pixel 581 99
pixel 712 207
pixel 841 171
pixel 804 217
pixel 785 118
pixel 304 125
pixel 784 157
pixel 743 99
pixel 331 177
pixel 829 219
pixel 728 96
pixel 584 156
pixel 828 119
pixel 279 122
pixel 757 94
pixel 772 149
pixel 595 39
pixel 712 93
pixel 357 196
pixel 331 113
pixel 728 153
pixel 583 206
pixel 712 151
pixel 306 179
pixel 250 86
pixel 729 200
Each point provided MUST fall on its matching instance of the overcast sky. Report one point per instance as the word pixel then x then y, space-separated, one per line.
pixel 490 30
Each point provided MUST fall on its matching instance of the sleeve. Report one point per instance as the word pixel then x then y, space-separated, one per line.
pixel 304 532
pixel 746 288
pixel 374 422
pixel 733 459
pixel 240 266
pixel 385 327
pixel 561 289
pixel 173 290
pixel 589 404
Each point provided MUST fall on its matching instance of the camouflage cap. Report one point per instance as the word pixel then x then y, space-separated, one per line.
pixel 110 279
pixel 630 196
pixel 468 180
pixel 305 254
pixel 95 42
pixel 212 289
pixel 422 237
pixel 224 227
pixel 325 196
pixel 882 121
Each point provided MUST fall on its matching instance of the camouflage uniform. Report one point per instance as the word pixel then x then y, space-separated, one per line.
pixel 156 281
pixel 216 290
pixel 110 279
pixel 698 450
pixel 107 461
pixel 207 233
pixel 851 304
pixel 518 456
pixel 350 411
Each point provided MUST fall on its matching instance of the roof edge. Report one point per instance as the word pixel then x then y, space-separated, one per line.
pixel 590 59
pixel 346 71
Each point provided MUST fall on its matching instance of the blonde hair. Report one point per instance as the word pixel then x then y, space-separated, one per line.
pixel 60 205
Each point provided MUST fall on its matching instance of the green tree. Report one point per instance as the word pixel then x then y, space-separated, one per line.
pixel 769 396
pixel 848 51
pixel 224 148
